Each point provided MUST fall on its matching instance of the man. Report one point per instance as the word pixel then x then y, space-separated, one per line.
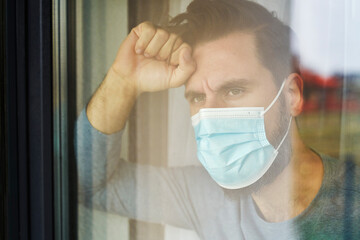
pixel 259 180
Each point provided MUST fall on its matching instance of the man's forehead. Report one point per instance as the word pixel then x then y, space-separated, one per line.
pixel 233 40
pixel 230 57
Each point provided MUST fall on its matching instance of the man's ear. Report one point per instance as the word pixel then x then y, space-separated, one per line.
pixel 295 87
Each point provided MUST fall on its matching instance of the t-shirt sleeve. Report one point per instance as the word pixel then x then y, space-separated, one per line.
pixel 180 196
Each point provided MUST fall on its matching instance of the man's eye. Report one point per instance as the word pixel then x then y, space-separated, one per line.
pixel 198 99
pixel 234 92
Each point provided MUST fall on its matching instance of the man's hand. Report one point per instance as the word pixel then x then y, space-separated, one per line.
pixel 150 59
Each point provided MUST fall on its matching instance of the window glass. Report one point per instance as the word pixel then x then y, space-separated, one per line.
pixel 100 27
pixel 236 120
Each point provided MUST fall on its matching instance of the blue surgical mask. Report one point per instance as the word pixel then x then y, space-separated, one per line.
pixel 232 144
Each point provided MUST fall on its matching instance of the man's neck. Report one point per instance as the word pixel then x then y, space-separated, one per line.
pixel 295 188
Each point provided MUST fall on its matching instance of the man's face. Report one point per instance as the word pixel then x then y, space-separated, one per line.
pixel 229 74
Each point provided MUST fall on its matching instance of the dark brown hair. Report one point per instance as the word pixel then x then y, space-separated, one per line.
pixel 207 20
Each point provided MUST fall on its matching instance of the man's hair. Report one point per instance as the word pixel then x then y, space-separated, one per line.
pixel 207 20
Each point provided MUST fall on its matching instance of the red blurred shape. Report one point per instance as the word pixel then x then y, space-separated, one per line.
pixel 320 81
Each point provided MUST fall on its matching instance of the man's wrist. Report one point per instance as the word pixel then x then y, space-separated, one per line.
pixel 111 104
pixel 118 81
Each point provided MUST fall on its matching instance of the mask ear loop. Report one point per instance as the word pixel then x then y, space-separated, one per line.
pixel 287 131
pixel 271 104
pixel 275 99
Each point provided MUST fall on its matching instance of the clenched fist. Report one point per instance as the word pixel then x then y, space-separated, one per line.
pixel 151 59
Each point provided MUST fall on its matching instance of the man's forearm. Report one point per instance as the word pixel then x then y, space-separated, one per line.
pixel 148 60
pixel 110 106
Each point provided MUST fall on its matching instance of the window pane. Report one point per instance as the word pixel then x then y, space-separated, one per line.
pixel 262 146
pixel 100 27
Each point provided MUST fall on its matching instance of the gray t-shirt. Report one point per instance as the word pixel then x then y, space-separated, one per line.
pixel 187 197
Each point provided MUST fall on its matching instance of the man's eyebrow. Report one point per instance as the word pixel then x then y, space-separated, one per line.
pixel 231 83
pixel 191 94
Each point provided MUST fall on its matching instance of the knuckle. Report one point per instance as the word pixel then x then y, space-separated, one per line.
pixel 162 33
pixel 146 24
pixel 149 31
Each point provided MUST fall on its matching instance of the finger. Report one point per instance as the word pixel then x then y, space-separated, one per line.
pixel 156 43
pixel 186 68
pixel 172 44
pixel 145 32
pixel 174 57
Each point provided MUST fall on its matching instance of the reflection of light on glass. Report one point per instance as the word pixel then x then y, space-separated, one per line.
pixel 328 35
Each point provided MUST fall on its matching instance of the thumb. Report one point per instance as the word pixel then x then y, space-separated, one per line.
pixel 127 47
pixel 185 69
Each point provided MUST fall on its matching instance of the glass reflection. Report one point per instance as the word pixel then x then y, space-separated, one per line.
pixel 271 150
